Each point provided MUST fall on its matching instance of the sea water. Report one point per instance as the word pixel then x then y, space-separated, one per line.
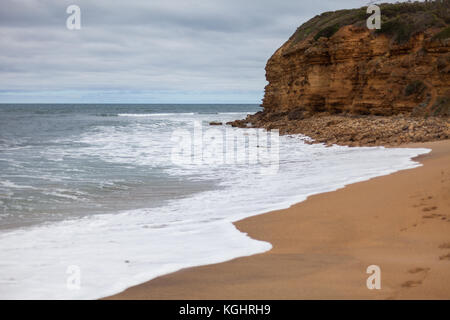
pixel 92 201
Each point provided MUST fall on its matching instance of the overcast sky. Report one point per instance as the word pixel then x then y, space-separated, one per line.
pixel 146 51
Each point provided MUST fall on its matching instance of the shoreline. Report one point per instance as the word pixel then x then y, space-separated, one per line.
pixel 323 245
pixel 352 130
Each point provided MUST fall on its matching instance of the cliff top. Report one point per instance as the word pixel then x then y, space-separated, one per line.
pixel 400 21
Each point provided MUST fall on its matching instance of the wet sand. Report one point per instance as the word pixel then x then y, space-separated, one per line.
pixel 323 246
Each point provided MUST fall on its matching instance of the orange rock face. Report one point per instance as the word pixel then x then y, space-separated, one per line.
pixel 359 72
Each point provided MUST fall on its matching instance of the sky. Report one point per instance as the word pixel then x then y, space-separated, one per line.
pixel 146 51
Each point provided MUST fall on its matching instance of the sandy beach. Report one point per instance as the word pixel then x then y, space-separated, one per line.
pixel 323 246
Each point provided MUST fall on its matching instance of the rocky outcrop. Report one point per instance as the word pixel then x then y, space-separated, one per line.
pixel 355 130
pixel 358 72
pixel 333 72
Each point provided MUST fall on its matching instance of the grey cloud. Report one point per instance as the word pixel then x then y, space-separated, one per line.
pixel 207 47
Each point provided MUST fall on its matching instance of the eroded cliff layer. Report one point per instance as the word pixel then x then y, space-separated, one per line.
pixel 361 71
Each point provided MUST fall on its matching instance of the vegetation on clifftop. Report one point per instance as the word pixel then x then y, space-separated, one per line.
pixel 400 21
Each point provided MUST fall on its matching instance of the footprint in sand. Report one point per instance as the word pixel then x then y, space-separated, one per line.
pixel 445 245
pixel 424 201
pixel 417 270
pixel 434 215
pixel 412 226
pixel 411 283
pixel 421 272
pixel 445 257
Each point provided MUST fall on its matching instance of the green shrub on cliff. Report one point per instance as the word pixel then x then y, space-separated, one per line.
pixel 328 23
pixel 409 19
pixel 415 87
pixel 441 107
pixel 400 30
pixel 327 31
pixel 444 34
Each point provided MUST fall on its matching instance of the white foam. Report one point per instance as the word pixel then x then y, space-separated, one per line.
pixel 155 114
pixel 101 248
pixel 9 184
pixel 116 251
pixel 235 113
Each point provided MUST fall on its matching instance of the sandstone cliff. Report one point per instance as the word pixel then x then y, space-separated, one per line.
pixel 333 65
pixel 360 71
pixel 355 71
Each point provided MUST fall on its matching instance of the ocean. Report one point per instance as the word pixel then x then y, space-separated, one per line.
pixel 95 198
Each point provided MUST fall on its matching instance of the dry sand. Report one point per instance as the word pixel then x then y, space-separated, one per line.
pixel 322 246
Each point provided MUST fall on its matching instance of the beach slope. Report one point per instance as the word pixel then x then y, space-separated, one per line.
pixel 323 246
